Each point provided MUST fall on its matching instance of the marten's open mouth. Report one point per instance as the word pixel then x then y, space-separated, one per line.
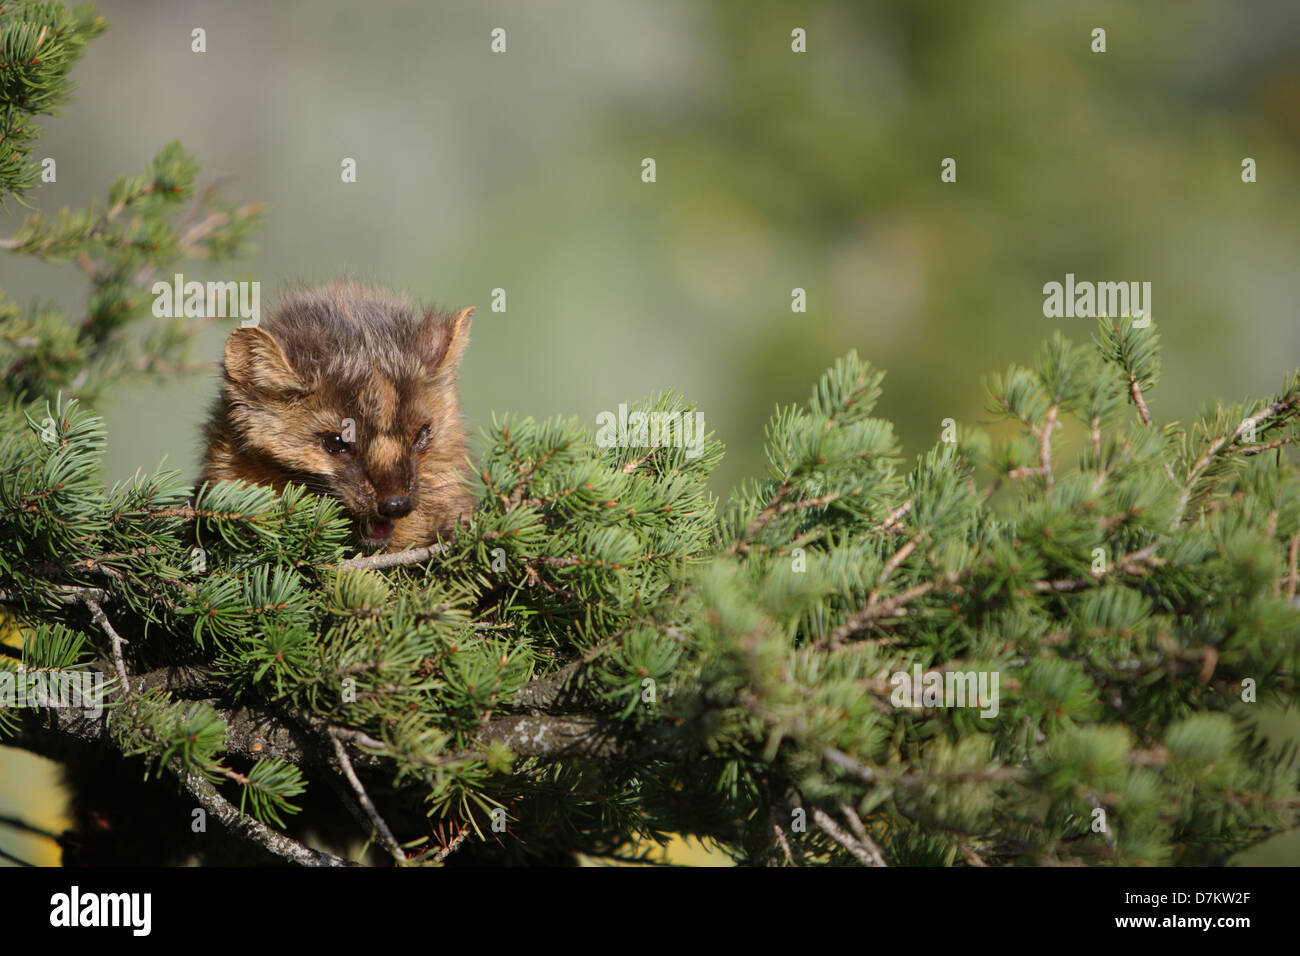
pixel 376 530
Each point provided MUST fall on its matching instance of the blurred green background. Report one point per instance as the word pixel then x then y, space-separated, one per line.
pixel 775 170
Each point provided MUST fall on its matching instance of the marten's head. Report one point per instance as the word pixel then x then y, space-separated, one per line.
pixel 351 391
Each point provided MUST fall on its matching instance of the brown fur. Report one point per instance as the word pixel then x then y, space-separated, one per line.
pixel 349 351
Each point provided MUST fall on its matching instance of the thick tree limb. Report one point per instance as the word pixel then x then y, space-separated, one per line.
pixel 252 733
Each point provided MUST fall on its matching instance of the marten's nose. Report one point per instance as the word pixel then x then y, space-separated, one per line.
pixel 395 506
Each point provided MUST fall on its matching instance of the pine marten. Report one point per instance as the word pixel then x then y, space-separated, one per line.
pixel 350 391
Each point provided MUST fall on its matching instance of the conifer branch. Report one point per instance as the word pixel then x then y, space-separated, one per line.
pixel 860 832
pixel 396 559
pixel 876 608
pixel 1135 390
pixel 893 520
pixel 246 828
pixel 115 639
pixel 778 839
pixel 454 844
pixel 860 852
pixel 1277 409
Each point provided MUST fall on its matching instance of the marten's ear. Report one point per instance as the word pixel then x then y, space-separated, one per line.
pixel 443 339
pixel 255 361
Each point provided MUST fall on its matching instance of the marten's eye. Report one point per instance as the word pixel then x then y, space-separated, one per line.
pixel 334 443
pixel 422 438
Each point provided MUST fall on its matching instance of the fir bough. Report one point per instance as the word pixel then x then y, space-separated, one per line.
pixel 604 656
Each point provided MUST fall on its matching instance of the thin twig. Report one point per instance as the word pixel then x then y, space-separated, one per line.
pixel 1045 447
pixel 454 845
pixel 391 560
pixel 24 827
pixel 16 860
pixel 891 521
pixel 1246 426
pixel 876 609
pixel 837 833
pixel 1266 446
pixel 381 830
pixel 778 833
pixel 116 639
pixel 760 522
pixel 1292 553
pixel 1135 390
pixel 860 831
pixel 357 737
pixel 91 598
pixel 1135 563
